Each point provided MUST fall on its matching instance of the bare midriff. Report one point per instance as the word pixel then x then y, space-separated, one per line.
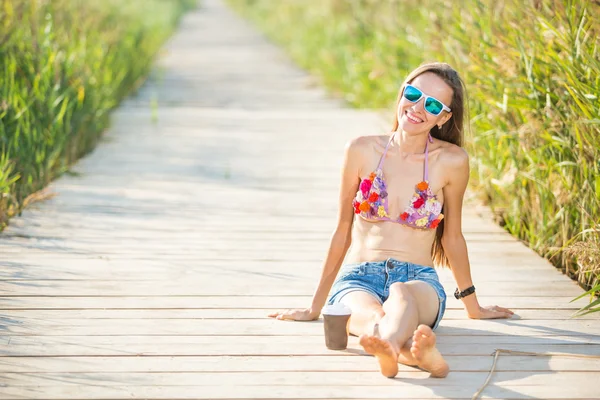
pixel 378 241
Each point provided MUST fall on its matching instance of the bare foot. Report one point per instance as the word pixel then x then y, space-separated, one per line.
pixel 405 357
pixel 383 351
pixel 426 354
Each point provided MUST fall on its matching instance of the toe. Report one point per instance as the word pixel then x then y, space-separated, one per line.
pixel 424 330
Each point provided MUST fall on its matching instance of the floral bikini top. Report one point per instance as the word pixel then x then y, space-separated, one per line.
pixel 371 202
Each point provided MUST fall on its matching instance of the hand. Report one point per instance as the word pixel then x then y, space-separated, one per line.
pixel 491 312
pixel 306 314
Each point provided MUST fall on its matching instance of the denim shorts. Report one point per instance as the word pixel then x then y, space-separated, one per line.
pixel 376 278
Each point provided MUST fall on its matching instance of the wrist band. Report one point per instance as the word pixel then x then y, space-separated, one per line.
pixel 464 293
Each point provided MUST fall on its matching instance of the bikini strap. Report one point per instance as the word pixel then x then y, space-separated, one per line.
pixel 429 140
pixel 385 151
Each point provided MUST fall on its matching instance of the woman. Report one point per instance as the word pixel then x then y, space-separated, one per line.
pixel 400 213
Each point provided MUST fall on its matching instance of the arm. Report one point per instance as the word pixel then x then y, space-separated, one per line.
pixel 340 240
pixel 453 240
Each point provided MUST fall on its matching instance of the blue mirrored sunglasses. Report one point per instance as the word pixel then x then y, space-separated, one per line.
pixel 432 105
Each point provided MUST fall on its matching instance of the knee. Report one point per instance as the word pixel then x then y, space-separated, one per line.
pixel 402 291
pixel 378 313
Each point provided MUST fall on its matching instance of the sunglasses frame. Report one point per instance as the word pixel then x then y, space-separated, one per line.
pixel 423 95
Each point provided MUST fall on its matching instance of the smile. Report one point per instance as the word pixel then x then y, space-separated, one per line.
pixel 413 118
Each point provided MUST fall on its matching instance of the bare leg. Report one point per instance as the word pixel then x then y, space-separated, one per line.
pixel 408 305
pixel 408 296
pixel 366 312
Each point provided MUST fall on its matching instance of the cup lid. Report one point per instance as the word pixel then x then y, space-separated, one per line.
pixel 336 309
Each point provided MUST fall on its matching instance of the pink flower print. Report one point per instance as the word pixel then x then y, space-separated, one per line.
pixel 365 186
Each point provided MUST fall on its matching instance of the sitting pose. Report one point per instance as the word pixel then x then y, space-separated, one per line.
pixel 399 215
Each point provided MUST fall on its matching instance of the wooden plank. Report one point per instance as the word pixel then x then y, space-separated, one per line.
pixel 398 390
pixel 282 237
pixel 181 253
pixel 303 278
pixel 33 267
pixel 350 362
pixel 300 280
pixel 210 286
pixel 269 326
pixel 9 317
pixel 308 378
pixel 314 241
pixel 263 300
pixel 252 340
pixel 223 347
pixel 76 261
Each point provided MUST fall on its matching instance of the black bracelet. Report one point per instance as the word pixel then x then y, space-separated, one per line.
pixel 464 293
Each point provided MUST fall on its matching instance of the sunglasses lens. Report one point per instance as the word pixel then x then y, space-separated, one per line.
pixel 433 106
pixel 412 94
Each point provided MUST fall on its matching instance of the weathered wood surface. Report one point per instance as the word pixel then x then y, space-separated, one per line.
pixel 151 272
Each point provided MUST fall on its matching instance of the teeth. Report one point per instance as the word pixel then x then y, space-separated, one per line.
pixel 413 118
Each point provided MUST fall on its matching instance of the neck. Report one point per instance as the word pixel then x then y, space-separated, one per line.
pixel 410 144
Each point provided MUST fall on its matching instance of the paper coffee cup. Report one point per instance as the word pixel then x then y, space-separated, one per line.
pixel 335 325
pixel 336 309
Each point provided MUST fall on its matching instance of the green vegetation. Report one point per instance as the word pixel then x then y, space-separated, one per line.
pixel 64 64
pixel 532 70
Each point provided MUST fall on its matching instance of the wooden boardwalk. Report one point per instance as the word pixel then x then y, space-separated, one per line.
pixel 209 203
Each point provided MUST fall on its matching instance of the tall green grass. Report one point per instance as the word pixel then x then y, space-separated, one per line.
pixel 64 64
pixel 532 70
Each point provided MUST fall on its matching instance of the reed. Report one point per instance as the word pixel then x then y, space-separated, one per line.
pixel 64 64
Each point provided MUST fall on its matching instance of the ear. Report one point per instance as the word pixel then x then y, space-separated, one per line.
pixel 445 119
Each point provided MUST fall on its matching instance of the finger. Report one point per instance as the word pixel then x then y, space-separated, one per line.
pixel 490 313
pixel 278 313
pixel 502 310
pixel 287 315
pixel 506 310
pixel 502 314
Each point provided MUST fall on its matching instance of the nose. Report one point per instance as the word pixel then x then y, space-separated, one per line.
pixel 419 106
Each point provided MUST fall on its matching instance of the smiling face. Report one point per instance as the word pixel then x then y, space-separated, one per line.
pixel 412 117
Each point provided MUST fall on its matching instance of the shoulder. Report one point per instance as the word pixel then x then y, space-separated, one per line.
pixel 363 149
pixel 364 146
pixel 362 152
pixel 454 161
pixel 453 157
